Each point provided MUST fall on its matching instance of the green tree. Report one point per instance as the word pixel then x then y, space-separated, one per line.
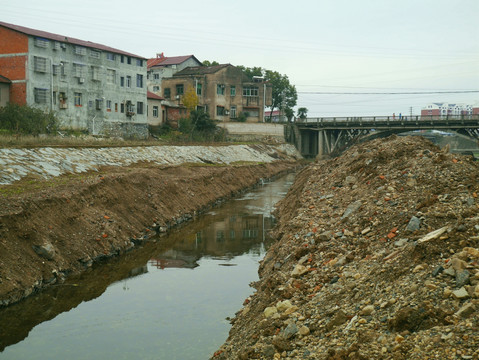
pixel 210 63
pixel 284 93
pixel 302 113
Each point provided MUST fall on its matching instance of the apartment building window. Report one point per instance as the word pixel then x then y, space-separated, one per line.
pixel 233 90
pixel 139 62
pixel 108 105
pixel 139 80
pixel 128 81
pixel 110 76
pixel 43 43
pixel 98 104
pixel 122 81
pixel 139 108
pixel 78 70
pixel 233 112
pixel 95 73
pixel 199 88
pixel 40 95
pixel 156 88
pixel 56 69
pixel 220 89
pixel 40 64
pixel 122 108
pixel 156 76
pixel 128 60
pixel 155 111
pixel 95 54
pixel 110 56
pixel 78 99
pixel 179 89
pixel 116 107
pixel 250 91
pixel 80 50
pixel 220 110
pixel 167 93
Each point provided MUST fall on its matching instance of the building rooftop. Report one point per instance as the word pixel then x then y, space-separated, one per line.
pixel 162 60
pixel 65 39
pixel 3 79
pixel 151 95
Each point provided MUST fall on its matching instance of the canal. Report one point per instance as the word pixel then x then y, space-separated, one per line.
pixel 169 299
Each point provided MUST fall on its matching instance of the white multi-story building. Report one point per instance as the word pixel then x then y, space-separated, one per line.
pixel 91 87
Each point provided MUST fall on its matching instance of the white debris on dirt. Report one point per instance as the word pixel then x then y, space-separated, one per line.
pixel 377 257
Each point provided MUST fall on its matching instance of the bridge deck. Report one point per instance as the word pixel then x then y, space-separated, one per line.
pixel 390 123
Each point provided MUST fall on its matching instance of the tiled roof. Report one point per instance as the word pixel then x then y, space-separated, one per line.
pixel 65 39
pixel 170 60
pixel 151 95
pixel 201 70
pixel 3 79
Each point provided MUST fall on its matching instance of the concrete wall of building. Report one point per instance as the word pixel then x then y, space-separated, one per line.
pixel 85 85
pixel 155 115
pixel 225 105
pixel 154 85
pixel 87 88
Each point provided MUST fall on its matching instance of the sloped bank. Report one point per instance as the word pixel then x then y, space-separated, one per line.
pixel 377 257
pixel 53 228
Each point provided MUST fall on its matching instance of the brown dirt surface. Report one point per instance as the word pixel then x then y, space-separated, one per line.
pixel 377 257
pixel 50 229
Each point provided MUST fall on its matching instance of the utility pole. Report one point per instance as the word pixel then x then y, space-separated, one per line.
pixel 410 111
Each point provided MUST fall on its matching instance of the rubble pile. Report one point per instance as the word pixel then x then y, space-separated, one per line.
pixel 377 258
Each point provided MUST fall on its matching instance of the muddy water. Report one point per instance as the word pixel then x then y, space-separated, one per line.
pixel 167 300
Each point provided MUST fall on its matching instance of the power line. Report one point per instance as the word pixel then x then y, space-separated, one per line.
pixel 388 93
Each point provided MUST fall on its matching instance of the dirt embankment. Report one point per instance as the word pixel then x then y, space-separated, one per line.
pixel 51 229
pixel 377 258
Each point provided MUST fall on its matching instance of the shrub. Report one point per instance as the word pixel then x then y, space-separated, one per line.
pixel 22 119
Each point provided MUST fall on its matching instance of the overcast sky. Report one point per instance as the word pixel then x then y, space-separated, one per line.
pixel 339 46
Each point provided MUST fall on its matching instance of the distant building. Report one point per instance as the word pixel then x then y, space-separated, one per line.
pixel 276 116
pixel 155 110
pixel 164 67
pixel 91 87
pixel 446 109
pixel 223 91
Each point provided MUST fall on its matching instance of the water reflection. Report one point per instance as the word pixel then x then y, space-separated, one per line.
pixel 206 266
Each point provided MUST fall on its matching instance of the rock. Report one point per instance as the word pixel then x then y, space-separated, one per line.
pixel 290 331
pixel 367 310
pixel 450 271
pixel 270 311
pixel 304 330
pixel 414 224
pixel 353 207
pixel 472 252
pixel 339 318
pixel 401 242
pixel 466 311
pixel 284 305
pixel 462 278
pixel 458 264
pixel 46 251
pixel 460 294
pixel 299 270
pixel 350 180
pixel 326 235
pixel 437 271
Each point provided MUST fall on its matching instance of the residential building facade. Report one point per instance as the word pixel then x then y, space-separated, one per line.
pixel 223 91
pixel 91 87
pixel 165 67
pixel 446 109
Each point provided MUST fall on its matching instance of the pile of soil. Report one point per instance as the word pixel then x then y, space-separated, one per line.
pixel 50 229
pixel 377 257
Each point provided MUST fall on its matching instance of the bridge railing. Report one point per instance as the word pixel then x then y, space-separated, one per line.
pixel 387 118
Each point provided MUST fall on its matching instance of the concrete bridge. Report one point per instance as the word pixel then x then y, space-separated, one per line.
pixel 332 135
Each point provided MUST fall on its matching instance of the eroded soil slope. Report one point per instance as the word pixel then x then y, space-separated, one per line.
pixel 50 229
pixel 377 258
